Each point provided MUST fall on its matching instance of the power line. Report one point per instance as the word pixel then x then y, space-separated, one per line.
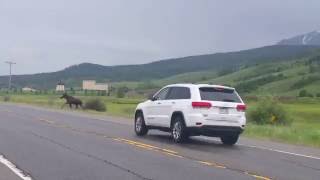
pixel 10 64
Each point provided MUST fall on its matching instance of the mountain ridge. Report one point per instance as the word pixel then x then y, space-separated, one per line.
pixel 311 38
pixel 74 75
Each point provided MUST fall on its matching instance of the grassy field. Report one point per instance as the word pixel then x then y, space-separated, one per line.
pixel 305 115
pixel 305 127
pixel 115 106
pixel 291 73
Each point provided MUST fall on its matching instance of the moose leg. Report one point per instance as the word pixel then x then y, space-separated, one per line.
pixel 77 106
pixel 70 105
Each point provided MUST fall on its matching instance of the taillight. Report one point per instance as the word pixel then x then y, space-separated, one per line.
pixel 201 105
pixel 241 107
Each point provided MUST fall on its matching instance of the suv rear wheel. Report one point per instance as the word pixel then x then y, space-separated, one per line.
pixel 230 139
pixel 139 125
pixel 178 130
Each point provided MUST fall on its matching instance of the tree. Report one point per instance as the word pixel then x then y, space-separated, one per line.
pixel 122 91
pixel 303 93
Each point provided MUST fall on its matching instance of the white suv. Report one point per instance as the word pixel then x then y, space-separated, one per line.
pixel 192 110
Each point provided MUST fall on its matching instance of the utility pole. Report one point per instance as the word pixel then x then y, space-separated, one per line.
pixel 10 64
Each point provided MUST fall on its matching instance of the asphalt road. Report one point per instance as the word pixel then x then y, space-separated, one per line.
pixel 59 145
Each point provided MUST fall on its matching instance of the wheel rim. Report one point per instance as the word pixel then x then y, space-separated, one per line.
pixel 176 131
pixel 138 124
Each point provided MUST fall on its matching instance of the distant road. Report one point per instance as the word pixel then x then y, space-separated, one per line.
pixel 59 145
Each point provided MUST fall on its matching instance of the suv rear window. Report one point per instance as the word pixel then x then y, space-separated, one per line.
pixel 219 94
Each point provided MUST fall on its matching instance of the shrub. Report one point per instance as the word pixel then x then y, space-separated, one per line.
pixel 268 111
pixel 303 93
pixel 318 94
pixel 251 85
pixel 122 92
pixel 95 104
pixel 305 81
pixel 6 98
pixel 146 85
pixel 225 72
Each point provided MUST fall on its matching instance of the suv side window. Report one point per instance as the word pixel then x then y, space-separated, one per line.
pixel 162 94
pixel 179 93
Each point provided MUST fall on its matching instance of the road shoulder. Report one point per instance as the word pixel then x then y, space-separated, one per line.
pixel 267 145
pixel 9 171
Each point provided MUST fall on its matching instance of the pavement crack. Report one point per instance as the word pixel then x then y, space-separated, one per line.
pixel 92 157
pixel 150 147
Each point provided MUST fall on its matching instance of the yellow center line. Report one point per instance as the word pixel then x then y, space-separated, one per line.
pixel 171 154
pixel 47 121
pixel 144 147
pixel 135 142
pixel 205 163
pixel 169 151
pixel 220 166
pixel 157 149
pixel 257 176
pixel 212 164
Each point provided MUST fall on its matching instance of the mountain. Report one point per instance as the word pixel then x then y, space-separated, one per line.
pixel 286 78
pixel 219 62
pixel 281 79
pixel 311 38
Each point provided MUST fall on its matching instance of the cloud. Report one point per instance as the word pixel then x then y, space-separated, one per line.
pixel 46 36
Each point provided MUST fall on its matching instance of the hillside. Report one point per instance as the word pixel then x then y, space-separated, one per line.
pixel 285 78
pixel 218 63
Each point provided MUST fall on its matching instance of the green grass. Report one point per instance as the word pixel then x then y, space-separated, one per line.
pixel 305 114
pixel 305 127
pixel 292 71
pixel 191 77
pixel 115 106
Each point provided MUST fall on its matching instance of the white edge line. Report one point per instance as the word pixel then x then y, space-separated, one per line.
pixel 14 168
pixel 274 150
pixel 280 151
pixel 251 146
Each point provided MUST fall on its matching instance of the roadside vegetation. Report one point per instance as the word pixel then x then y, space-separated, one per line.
pixel 268 111
pixel 104 105
pixel 6 98
pixel 282 119
pixel 95 104
pixel 290 114
pixel 304 128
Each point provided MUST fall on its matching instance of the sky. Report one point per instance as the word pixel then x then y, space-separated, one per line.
pixel 46 36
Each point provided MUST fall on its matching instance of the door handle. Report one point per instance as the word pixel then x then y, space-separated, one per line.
pixel 159 103
pixel 173 102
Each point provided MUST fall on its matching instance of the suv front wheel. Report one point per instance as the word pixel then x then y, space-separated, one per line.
pixel 178 130
pixel 139 125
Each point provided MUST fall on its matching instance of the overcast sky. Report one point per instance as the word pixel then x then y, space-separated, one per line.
pixel 48 35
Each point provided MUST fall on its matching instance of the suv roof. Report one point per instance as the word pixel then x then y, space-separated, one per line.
pixel 200 85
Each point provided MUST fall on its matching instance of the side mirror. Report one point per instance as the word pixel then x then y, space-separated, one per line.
pixel 151 97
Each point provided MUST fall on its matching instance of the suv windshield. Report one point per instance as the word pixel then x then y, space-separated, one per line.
pixel 219 94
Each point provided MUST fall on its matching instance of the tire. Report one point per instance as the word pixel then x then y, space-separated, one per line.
pixel 140 127
pixel 178 130
pixel 229 140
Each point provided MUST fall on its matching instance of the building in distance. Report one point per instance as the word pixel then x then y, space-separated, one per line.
pixel 92 85
pixel 28 89
pixel 60 87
